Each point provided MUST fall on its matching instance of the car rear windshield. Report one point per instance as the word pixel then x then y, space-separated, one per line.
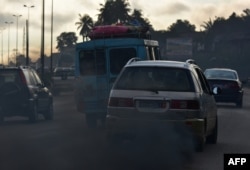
pixel 155 78
pixel 9 76
pixel 224 74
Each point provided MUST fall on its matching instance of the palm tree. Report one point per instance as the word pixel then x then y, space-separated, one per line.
pixel 85 24
pixel 138 17
pixel 246 12
pixel 207 25
pixel 113 11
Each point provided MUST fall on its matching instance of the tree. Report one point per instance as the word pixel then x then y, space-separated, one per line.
pixel 138 17
pixel 66 39
pixel 207 25
pixel 246 12
pixel 113 11
pixel 85 24
pixel 181 26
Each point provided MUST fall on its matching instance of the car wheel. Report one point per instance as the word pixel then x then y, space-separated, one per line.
pixel 49 114
pixel 33 117
pixel 91 120
pixel 212 138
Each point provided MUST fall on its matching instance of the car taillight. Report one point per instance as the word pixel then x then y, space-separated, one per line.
pixel 185 104
pixel 22 77
pixel 121 102
pixel 233 85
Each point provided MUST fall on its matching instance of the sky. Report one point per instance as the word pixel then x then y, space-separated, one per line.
pixel 160 13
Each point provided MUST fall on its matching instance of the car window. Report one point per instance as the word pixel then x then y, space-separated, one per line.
pixel 92 62
pixel 155 78
pixel 36 77
pixel 203 81
pixel 220 74
pixel 7 77
pixel 29 77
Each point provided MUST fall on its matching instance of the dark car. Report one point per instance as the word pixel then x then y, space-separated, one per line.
pixel 22 93
pixel 229 83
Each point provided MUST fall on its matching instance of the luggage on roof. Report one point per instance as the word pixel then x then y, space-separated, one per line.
pixel 118 30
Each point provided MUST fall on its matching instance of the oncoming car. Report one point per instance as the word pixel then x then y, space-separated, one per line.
pixel 162 92
pixel 229 83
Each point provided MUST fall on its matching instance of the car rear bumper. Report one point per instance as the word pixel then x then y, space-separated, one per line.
pixel 116 126
pixel 230 97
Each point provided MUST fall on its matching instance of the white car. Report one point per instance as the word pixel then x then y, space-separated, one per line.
pixel 162 92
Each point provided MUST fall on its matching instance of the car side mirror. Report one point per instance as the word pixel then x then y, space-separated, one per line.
pixel 216 90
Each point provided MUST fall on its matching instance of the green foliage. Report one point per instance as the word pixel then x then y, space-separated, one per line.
pixel 85 24
pixel 66 39
pixel 225 41
pixel 138 17
pixel 181 27
pixel 118 7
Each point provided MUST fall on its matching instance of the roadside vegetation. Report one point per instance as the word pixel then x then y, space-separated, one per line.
pixel 222 42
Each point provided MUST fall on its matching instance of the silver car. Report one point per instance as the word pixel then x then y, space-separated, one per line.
pixel 162 92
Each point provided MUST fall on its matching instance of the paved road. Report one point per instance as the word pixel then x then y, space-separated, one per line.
pixel 234 136
pixel 66 143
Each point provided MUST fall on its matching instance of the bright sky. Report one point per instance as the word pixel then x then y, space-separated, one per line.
pixel 161 14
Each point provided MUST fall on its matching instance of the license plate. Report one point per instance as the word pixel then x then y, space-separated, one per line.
pixel 151 104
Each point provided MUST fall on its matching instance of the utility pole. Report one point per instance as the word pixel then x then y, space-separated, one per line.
pixel 8 40
pixel 1 31
pixel 17 16
pixel 42 42
pixel 27 33
pixel 51 40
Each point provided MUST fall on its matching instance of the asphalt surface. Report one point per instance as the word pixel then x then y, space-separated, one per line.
pixel 66 143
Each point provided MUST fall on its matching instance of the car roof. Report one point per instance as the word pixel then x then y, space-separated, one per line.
pixel 221 69
pixel 159 63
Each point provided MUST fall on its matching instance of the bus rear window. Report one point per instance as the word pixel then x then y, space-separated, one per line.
pixel 92 62
pixel 119 57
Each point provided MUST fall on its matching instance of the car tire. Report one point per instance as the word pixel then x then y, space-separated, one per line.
pixel 212 138
pixel 49 114
pixel 91 120
pixel 33 117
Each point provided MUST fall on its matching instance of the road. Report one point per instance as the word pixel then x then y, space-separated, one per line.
pixel 233 136
pixel 66 143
